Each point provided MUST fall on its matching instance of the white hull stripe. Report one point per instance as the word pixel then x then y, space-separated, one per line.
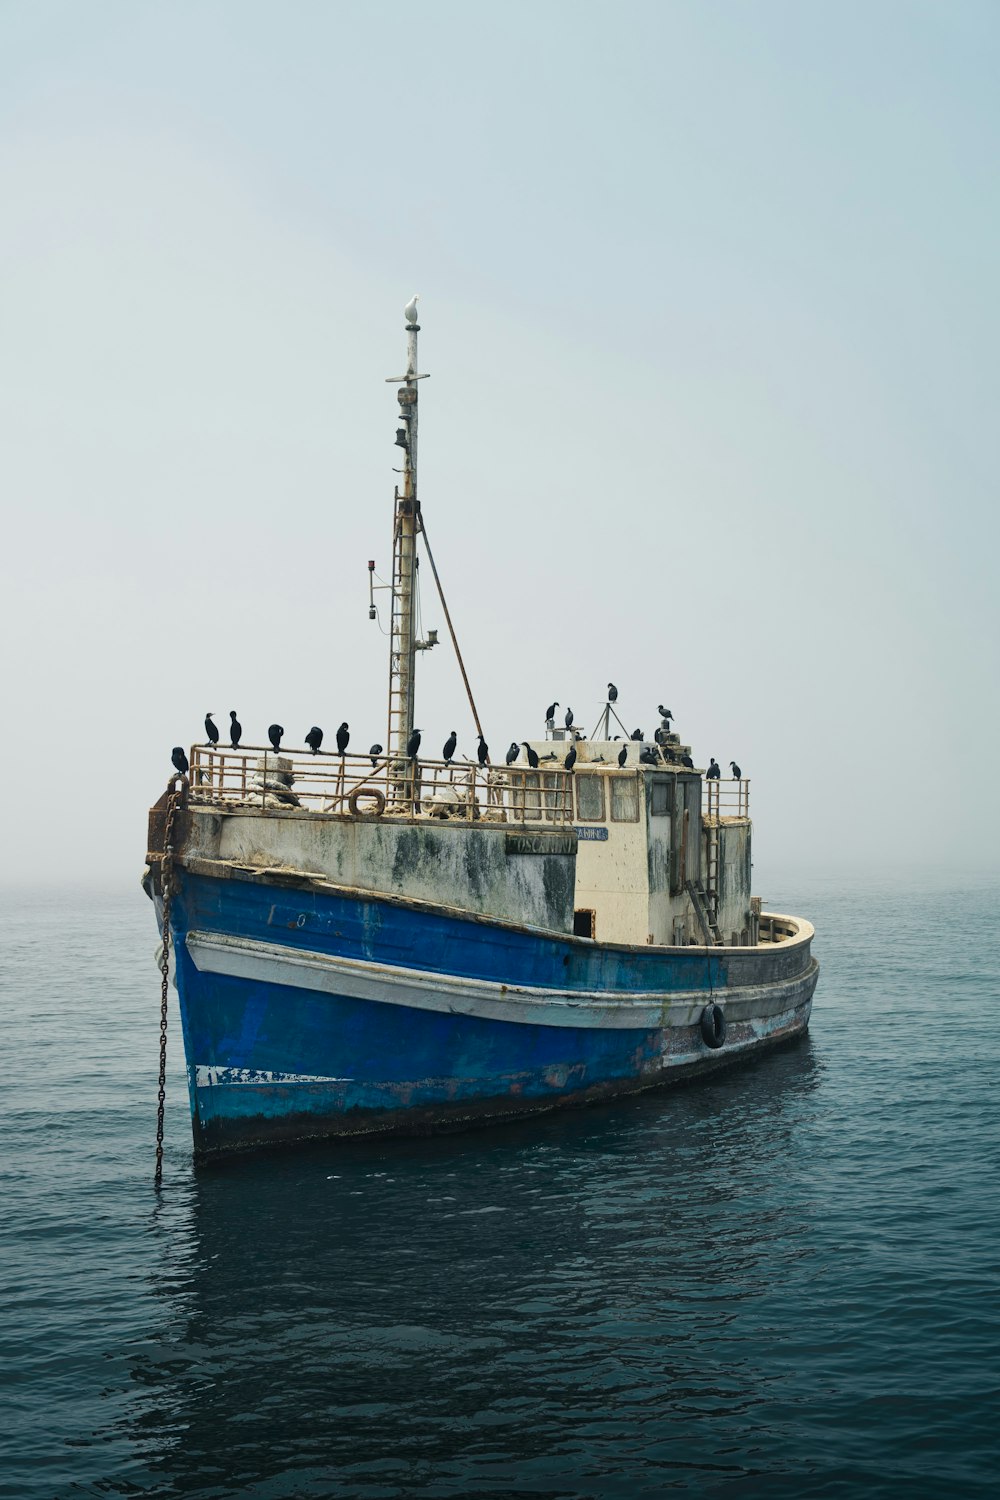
pixel 362 979
pixel 212 1075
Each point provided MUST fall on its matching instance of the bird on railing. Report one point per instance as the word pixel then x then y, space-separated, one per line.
pixel 570 760
pixel 274 733
pixel 612 693
pixel 483 751
pixel 374 751
pixel 530 755
pixel 623 755
pixel 450 746
pixel 235 729
pixel 314 739
pixel 211 730
pixel 179 759
pixel 513 751
pixel 737 773
pixel 550 715
pixel 413 744
pixel 569 718
pixel 713 773
pixel 343 738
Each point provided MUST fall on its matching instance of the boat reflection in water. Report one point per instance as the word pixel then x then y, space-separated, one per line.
pixel 586 1295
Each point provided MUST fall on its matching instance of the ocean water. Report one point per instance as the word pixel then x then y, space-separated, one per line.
pixel 780 1282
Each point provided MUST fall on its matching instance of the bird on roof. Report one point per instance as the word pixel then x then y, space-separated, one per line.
pixel 551 756
pixel 374 751
pixel 211 730
pixel 483 751
pixel 664 713
pixel 570 760
pixel 513 751
pixel 343 737
pixel 314 739
pixel 235 728
pixel 637 734
pixel 713 773
pixel 688 762
pixel 597 759
pixel 550 712
pixel 623 755
pixel 413 743
pixel 649 756
pixel 274 733
pixel 410 310
pixel 737 773
pixel 449 748
pixel 612 693
pixel 179 759
pixel 669 755
pixel 532 755
pixel 569 718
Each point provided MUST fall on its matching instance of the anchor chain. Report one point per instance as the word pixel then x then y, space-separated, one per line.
pixel 175 792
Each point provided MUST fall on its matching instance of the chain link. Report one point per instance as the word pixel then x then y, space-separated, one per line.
pixel 175 793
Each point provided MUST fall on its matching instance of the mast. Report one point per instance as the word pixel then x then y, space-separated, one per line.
pixel 403 643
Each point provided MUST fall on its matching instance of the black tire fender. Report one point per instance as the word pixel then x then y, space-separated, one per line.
pixel 713 1026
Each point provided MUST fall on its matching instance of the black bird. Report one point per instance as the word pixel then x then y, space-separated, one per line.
pixel 343 738
pixel 314 739
pixel 570 760
pixel 660 735
pixel 713 773
pixel 235 728
pixel 687 761
pixel 664 713
pixel 550 712
pixel 649 756
pixel 612 693
pixel 637 734
pixel 179 759
pixel 569 718
pixel 274 733
pixel 737 773
pixel 413 744
pixel 513 751
pixel 668 755
pixel 483 751
pixel 374 751
pixel 531 754
pixel 623 755
pixel 551 756
pixel 450 746
pixel 211 730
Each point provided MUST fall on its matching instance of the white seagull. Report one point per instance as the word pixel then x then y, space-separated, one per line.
pixel 410 310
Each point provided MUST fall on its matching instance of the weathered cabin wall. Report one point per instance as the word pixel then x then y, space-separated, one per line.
pixel 734 877
pixel 477 868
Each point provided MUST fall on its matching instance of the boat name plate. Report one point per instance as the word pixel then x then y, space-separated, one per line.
pixel 540 843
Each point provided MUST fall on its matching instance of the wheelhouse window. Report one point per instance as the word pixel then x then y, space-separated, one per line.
pixel 589 798
pixel 624 799
pixel 661 798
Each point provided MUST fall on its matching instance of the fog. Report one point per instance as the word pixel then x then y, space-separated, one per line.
pixel 709 305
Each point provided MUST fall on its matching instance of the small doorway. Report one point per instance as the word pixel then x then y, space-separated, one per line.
pixel 584 922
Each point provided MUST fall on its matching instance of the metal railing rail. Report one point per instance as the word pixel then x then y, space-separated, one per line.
pixel 725 799
pixel 262 779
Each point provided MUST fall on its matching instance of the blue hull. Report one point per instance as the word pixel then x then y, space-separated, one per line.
pixel 309 1012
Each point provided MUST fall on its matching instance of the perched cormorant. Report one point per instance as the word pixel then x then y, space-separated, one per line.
pixel 637 734
pixel 235 728
pixel 569 718
pixel 211 730
pixel 449 748
pixel 550 712
pixel 551 756
pixel 623 755
pixel 668 755
pixel 737 773
pixel 531 754
pixel 343 738
pixel 179 759
pixel 374 751
pixel 274 733
pixel 664 713
pixel 687 761
pixel 570 760
pixel 413 744
pixel 612 693
pixel 314 739
pixel 483 751
pixel 513 751
pixel 649 756
pixel 713 773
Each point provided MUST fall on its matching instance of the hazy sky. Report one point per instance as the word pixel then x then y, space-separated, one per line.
pixel 710 306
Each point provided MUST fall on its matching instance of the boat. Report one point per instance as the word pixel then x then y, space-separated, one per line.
pixel 388 942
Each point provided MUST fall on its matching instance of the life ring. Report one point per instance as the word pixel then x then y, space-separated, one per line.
pixel 377 797
pixel 713 1026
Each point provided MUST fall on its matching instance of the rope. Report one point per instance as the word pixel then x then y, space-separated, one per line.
pixel 175 792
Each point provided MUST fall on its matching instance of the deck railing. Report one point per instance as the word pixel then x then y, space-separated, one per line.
pixel 378 785
pixel 725 798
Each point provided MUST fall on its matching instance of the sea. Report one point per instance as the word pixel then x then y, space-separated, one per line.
pixel 782 1281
